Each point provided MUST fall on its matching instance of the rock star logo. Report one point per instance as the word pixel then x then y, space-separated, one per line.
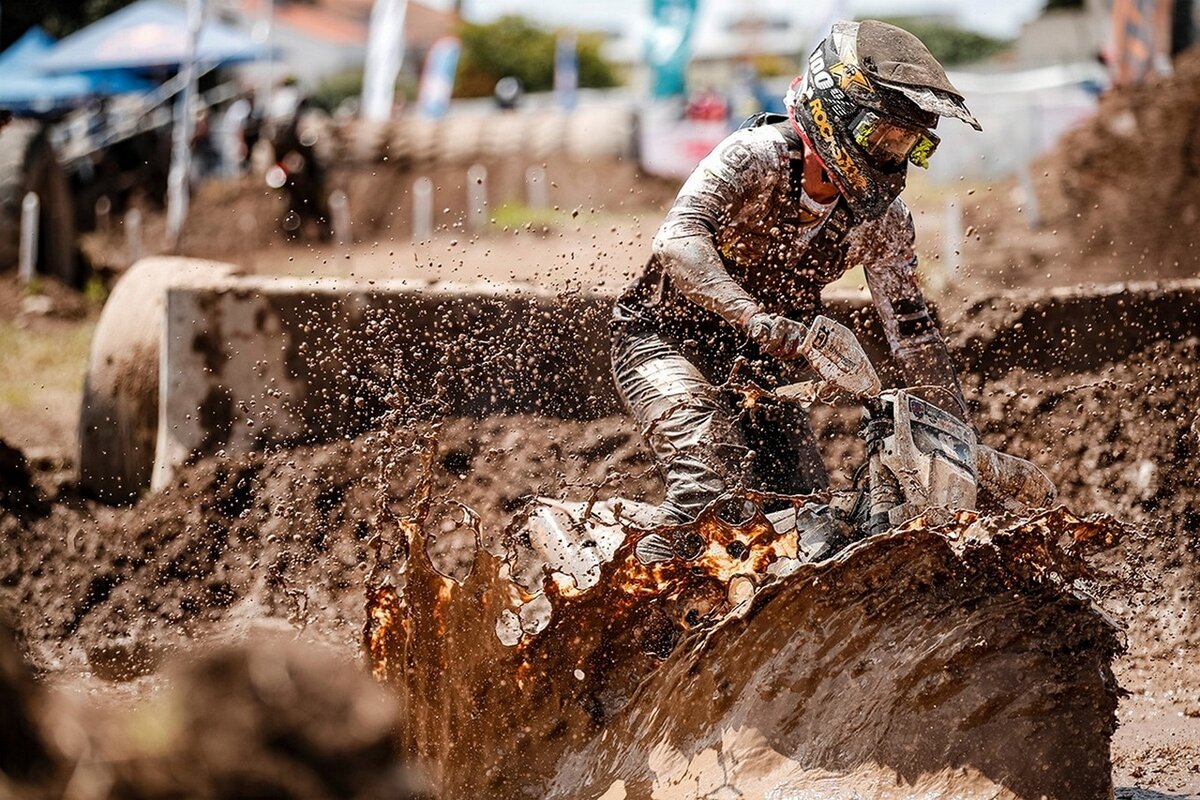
pixel 845 163
pixel 850 76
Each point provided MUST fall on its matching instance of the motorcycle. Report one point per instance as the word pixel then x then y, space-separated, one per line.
pixel 920 461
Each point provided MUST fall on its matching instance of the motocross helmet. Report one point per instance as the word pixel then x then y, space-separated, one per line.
pixel 867 106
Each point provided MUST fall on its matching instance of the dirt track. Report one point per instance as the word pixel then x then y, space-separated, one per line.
pixel 286 535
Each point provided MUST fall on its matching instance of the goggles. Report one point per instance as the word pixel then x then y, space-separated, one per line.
pixel 891 143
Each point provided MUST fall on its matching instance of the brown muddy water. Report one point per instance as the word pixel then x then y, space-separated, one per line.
pixel 950 661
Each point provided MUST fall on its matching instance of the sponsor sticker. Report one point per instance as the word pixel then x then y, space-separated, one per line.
pixel 842 158
pixel 850 76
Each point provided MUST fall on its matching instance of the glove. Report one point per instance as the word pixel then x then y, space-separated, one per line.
pixel 684 545
pixel 777 335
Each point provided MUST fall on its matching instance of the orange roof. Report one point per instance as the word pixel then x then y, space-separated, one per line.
pixel 346 21
pixel 322 23
pixel 424 25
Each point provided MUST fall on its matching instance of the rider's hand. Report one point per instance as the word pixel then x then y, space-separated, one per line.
pixel 777 335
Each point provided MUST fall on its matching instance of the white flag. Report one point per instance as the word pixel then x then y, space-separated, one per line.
pixel 385 52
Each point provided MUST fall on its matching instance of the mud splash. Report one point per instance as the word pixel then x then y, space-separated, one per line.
pixel 953 660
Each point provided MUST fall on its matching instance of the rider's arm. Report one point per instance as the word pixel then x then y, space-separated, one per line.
pixel 885 249
pixel 686 245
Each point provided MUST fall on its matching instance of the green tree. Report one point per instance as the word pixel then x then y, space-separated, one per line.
pixel 512 45
pixel 950 44
pixel 58 17
pixel 335 89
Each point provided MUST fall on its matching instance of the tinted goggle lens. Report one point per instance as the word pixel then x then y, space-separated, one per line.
pixel 892 143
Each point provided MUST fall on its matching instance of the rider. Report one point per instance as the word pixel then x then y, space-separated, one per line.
pixel 776 212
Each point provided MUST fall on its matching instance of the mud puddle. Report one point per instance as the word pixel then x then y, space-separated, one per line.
pixel 933 661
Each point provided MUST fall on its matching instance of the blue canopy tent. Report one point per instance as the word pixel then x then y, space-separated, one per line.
pixel 24 89
pixel 24 52
pixel 146 35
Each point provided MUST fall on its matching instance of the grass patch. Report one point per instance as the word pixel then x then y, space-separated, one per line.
pixel 518 215
pixel 41 359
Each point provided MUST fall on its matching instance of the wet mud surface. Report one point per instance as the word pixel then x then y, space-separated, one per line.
pixel 103 598
pixel 660 682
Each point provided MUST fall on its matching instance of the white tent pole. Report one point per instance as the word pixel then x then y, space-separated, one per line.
pixel 181 144
pixel 265 28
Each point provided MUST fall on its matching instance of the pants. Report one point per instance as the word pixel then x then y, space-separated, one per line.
pixel 706 445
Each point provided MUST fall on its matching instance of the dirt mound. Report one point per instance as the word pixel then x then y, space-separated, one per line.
pixel 1126 181
pixel 281 535
pixel 272 717
pixel 269 716
pixel 1116 197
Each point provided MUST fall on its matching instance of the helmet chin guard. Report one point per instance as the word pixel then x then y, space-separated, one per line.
pixel 837 87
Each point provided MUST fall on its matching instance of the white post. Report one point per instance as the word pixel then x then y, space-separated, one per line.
pixel 103 213
pixel 339 213
pixel 477 197
pixel 133 235
pixel 535 188
pixel 1033 215
pixel 30 206
pixel 422 193
pixel 181 140
pixel 263 29
pixel 952 246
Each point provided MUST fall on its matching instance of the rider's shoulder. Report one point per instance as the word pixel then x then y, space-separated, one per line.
pixel 746 149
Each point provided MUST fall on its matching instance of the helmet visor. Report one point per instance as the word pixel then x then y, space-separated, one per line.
pixel 888 142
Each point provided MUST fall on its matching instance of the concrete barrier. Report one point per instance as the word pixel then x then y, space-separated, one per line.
pixel 118 418
pixel 254 362
pixel 261 361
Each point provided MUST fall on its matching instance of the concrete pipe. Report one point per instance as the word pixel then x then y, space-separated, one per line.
pixel 118 420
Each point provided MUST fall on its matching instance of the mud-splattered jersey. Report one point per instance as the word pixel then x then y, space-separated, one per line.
pixel 738 239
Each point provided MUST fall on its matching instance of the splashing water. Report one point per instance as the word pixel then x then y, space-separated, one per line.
pixel 936 660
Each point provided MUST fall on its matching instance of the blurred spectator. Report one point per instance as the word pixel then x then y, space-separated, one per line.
pixel 232 138
pixel 706 105
pixel 299 172
pixel 206 158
